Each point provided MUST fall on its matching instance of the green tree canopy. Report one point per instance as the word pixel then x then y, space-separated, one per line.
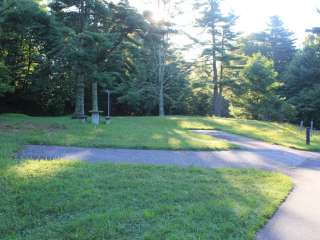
pixel 303 81
pixel 276 43
pixel 256 94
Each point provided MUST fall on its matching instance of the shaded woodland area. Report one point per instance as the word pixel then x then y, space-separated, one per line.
pixel 59 59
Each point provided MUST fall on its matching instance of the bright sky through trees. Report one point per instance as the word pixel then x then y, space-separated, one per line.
pixel 297 15
pixel 253 14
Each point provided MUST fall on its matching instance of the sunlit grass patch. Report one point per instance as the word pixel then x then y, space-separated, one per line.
pixel 122 132
pixel 43 169
pixel 278 133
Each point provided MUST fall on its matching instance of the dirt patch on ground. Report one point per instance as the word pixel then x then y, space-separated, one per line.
pixel 25 126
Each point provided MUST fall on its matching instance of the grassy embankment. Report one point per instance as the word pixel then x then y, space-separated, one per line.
pixel 153 132
pixel 77 200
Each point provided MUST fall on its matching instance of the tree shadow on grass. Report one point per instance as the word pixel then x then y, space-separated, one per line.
pixel 51 200
pixel 136 136
pixel 76 200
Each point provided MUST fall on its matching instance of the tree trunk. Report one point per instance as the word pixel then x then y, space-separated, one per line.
pixel 221 105
pixel 79 105
pixel 161 82
pixel 95 115
pixel 221 100
pixel 215 98
pixel 95 107
pixel 161 100
pixel 80 84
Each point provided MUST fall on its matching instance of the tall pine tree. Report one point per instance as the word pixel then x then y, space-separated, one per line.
pixel 218 48
pixel 276 43
pixel 282 44
pixel 97 29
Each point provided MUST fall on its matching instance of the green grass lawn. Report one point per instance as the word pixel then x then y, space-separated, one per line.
pixel 151 132
pixel 123 132
pixel 278 133
pixel 76 200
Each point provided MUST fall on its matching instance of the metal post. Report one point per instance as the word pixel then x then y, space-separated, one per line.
pixel 308 135
pixel 311 126
pixel 109 105
pixel 108 117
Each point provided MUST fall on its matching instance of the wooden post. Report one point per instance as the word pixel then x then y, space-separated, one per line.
pixel 308 135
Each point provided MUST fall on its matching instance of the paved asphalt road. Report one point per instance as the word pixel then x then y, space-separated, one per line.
pixel 298 217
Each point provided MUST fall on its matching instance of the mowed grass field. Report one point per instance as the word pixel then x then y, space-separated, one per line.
pixel 152 132
pixel 75 200
pixel 122 132
pixel 284 134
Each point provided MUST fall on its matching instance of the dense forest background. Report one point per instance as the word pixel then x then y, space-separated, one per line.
pixel 60 58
